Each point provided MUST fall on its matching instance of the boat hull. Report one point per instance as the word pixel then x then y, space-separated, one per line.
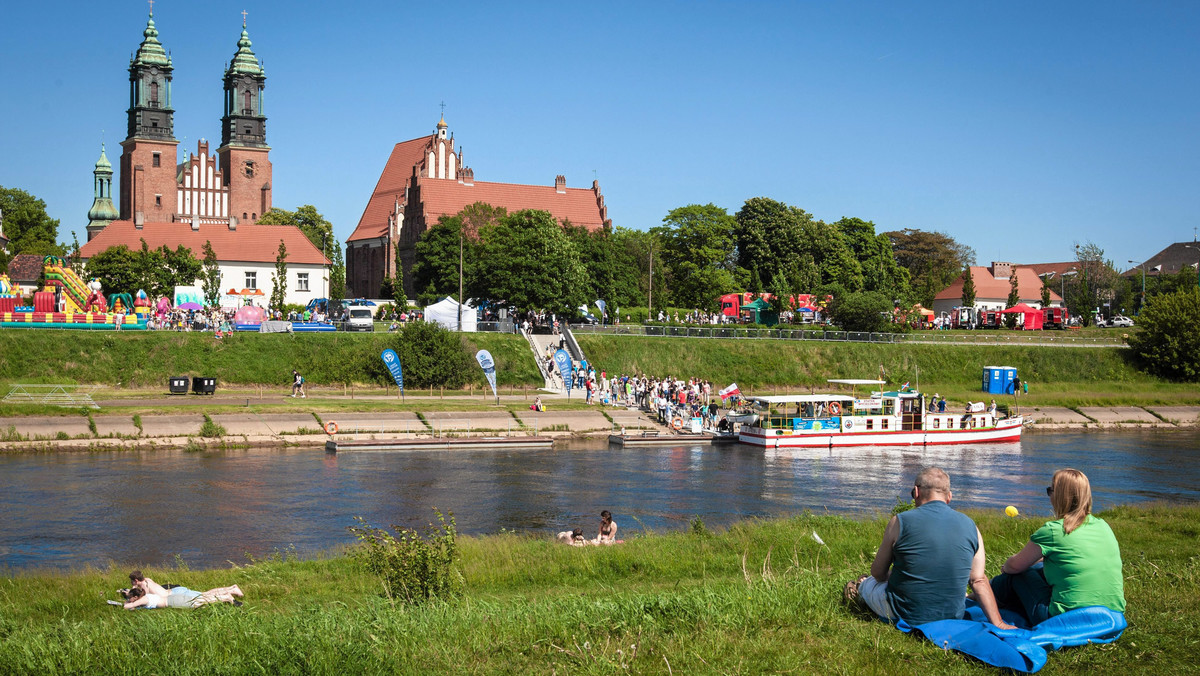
pixel 1005 431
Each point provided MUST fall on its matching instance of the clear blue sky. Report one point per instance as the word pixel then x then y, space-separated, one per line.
pixel 1019 128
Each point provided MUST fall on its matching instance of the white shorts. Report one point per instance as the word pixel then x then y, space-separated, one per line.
pixel 874 594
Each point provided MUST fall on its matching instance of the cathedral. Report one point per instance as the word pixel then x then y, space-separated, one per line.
pixel 425 179
pixel 214 198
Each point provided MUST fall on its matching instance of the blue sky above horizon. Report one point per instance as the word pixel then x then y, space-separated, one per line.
pixel 1018 128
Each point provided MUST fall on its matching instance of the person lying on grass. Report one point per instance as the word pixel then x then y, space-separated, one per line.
pixel 573 537
pixel 146 593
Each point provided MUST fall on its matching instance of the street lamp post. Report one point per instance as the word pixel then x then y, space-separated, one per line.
pixel 1141 265
pixel 324 273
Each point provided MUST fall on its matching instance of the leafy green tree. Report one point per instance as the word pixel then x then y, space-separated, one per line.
pixel 933 260
pixel 698 250
pixel 1045 293
pixel 210 276
pixel 771 236
pixel 968 289
pixel 1014 299
pixel 1168 344
pixel 398 296
pixel 531 264
pixel 429 355
pixel 310 221
pixel 279 279
pixel 631 251
pixel 597 256
pixel 781 292
pixel 337 275
pixel 435 274
pixel 117 269
pixel 863 311
pixel 28 228
pixel 386 287
pixel 880 271
pixel 74 259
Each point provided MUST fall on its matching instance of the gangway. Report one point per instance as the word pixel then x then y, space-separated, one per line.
pixel 53 395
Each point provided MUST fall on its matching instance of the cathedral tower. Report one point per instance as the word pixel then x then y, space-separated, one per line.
pixel 148 182
pixel 102 212
pixel 244 153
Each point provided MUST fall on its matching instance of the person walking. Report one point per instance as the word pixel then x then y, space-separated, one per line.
pixel 298 384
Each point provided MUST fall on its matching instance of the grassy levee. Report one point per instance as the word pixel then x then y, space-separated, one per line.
pixel 1056 375
pixel 147 359
pixel 761 597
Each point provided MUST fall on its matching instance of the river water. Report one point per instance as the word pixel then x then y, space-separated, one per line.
pixel 68 510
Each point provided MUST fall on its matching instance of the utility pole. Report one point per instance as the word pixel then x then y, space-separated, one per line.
pixel 650 302
pixel 460 281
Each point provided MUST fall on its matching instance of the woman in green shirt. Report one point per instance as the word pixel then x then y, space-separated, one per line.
pixel 1071 562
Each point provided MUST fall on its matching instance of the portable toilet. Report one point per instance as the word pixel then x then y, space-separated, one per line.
pixel 993 379
pixel 1009 376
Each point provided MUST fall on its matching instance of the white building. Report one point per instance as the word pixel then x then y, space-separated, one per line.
pixel 245 253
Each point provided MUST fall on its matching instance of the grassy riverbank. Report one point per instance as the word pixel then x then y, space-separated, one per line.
pixel 762 597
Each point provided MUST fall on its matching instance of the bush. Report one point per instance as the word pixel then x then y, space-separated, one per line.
pixel 869 311
pixel 414 569
pixel 211 428
pixel 429 356
pixel 1168 344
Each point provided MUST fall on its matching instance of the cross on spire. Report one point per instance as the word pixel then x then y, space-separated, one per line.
pixel 151 7
pixel 443 109
pixel 243 17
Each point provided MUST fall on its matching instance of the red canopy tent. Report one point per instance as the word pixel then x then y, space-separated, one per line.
pixel 1032 316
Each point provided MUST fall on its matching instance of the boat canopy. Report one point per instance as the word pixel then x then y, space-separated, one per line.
pixel 851 381
pixel 801 399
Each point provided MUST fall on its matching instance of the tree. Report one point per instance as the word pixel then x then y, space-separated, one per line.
pixel 699 253
pixel 398 296
pixel 531 264
pixel 117 269
pixel 435 274
pixel 28 228
pixel 210 276
pixel 1168 343
pixel 386 286
pixel 1014 299
pixel 771 236
pixel 337 276
pixel 631 252
pixel 862 311
pixel 74 260
pixel 430 356
pixel 1097 284
pixel 1045 292
pixel 310 221
pixel 279 279
pixel 933 260
pixel 968 290
pixel 880 271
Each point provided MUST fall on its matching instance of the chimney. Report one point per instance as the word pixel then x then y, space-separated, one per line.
pixel 467 176
pixel 233 222
pixel 195 224
pixel 1001 270
pixel 560 184
pixel 139 219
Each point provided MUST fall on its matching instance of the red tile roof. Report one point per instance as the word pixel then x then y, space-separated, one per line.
pixel 393 180
pixel 247 244
pixel 25 267
pixel 442 197
pixel 988 288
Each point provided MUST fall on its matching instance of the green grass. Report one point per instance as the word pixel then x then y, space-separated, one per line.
pixel 760 597
pixel 147 359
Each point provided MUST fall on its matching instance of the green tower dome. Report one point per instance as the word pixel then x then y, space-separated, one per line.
pixel 151 52
pixel 103 210
pixel 244 61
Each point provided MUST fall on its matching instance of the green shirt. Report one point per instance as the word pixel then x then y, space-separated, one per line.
pixel 1083 568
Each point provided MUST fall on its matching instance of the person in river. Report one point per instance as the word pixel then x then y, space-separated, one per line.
pixel 146 593
pixel 1071 562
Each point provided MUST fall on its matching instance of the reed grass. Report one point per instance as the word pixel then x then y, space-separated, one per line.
pixel 758 597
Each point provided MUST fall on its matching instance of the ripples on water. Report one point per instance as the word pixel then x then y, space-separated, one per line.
pixel 71 509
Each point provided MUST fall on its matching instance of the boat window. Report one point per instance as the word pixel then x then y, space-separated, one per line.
pixel 883 424
pixel 889 407
pixel 936 423
pixel 870 423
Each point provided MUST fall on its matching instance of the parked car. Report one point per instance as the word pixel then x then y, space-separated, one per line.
pixel 1121 321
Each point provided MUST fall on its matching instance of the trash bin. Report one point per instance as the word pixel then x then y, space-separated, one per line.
pixel 178 385
pixel 204 385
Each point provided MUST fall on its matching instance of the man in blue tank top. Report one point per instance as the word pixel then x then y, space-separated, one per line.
pixel 928 556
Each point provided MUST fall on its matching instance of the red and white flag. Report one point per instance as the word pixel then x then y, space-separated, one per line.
pixel 729 392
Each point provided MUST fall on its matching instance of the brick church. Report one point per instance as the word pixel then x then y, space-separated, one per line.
pixel 207 197
pixel 424 179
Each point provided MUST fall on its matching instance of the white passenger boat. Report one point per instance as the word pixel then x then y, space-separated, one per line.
pixel 897 418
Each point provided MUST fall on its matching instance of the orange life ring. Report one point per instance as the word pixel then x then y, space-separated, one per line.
pixel 331 428
pixel 677 424
pixel 835 408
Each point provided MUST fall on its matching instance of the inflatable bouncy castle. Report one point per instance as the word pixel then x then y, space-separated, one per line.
pixel 66 303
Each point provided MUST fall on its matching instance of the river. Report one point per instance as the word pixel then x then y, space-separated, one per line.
pixel 68 510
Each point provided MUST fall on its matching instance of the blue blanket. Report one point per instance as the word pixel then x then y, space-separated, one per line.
pixel 1024 648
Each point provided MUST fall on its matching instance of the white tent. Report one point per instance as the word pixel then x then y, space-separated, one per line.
pixel 445 312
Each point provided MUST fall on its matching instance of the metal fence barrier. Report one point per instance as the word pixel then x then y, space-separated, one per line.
pixel 1059 338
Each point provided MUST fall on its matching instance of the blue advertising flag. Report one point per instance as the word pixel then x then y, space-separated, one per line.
pixel 563 361
pixel 489 369
pixel 392 361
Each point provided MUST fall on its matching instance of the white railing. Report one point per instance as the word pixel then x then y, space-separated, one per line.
pixel 53 395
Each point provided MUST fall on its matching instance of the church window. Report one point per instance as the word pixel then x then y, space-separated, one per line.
pixel 251 280
pixel 247 98
pixel 156 160
pixel 158 200
pixel 153 94
pixel 302 281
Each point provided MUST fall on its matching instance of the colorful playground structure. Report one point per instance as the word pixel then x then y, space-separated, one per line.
pixel 68 303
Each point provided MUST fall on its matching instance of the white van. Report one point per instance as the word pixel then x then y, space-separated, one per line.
pixel 359 318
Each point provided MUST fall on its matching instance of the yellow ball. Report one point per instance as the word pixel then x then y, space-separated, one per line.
pixel 1011 511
